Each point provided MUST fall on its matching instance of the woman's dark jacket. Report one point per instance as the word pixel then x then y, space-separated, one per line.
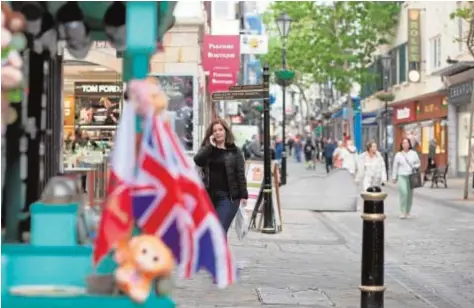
pixel 234 166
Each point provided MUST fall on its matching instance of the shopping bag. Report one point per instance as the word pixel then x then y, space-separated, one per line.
pixel 241 223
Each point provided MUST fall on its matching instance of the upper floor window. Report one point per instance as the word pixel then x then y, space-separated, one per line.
pixel 223 10
pixel 435 52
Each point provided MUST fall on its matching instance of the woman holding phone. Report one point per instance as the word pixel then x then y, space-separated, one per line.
pixel 223 168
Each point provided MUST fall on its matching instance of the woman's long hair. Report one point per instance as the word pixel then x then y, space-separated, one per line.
pixel 410 147
pixel 229 136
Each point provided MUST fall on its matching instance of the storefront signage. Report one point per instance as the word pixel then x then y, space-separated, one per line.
pixel 404 114
pixel 251 44
pixel 431 109
pixel 221 80
pixel 414 37
pixel 69 113
pixel 221 52
pixel 97 88
pixel 460 93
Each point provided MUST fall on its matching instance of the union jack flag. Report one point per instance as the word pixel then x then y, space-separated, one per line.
pixel 157 205
pixel 164 161
pixel 212 252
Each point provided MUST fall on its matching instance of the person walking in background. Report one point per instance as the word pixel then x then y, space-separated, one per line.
pixel 298 148
pixel 371 168
pixel 223 167
pixel 336 158
pixel 278 149
pixel 349 157
pixel 328 153
pixel 309 150
pixel 404 163
pixel 291 143
pixel 255 149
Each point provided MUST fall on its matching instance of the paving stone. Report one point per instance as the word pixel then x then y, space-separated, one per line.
pixel 284 296
pixel 428 260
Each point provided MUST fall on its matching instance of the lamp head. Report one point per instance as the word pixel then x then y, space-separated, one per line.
pixel 386 62
pixel 284 24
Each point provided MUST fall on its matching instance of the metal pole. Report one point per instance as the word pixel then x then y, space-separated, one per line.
pixel 469 147
pixel 372 275
pixel 268 222
pixel 386 126
pixel 283 154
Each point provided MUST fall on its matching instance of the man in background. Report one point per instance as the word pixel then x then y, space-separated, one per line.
pixel 328 152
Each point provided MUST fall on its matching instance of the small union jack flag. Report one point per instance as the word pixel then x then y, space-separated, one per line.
pixel 169 170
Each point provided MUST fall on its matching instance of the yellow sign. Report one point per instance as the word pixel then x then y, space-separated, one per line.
pixel 414 35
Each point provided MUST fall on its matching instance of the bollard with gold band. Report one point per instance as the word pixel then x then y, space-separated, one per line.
pixel 372 277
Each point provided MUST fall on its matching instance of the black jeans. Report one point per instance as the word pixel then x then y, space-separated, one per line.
pixel 328 164
pixel 226 207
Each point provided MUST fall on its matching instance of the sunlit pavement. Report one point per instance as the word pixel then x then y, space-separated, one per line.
pixel 315 261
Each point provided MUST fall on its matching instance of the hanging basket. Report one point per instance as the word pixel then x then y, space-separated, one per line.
pixel 386 97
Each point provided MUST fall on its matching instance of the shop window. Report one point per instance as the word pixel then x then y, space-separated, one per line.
pixel 433 131
pixel 413 132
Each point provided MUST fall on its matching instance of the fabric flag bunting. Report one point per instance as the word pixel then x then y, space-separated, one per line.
pixel 116 222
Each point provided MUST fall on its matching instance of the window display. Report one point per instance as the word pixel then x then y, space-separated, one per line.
pixel 434 132
pixel 413 132
pixel 97 104
pixel 182 107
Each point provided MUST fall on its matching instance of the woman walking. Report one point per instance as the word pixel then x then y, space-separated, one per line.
pixel 404 163
pixel 371 167
pixel 349 157
pixel 223 168
pixel 336 157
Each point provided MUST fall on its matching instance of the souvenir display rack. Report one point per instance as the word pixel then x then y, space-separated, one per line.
pixel 53 270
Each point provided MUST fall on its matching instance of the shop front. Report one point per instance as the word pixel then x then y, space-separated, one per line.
pixel 459 99
pixel 424 122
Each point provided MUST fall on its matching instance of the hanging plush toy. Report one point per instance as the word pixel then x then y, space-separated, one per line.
pixel 142 261
pixel 13 42
pixel 147 96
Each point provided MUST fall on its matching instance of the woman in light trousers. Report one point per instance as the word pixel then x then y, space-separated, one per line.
pixel 404 163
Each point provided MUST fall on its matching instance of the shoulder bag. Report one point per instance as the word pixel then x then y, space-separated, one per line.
pixel 415 176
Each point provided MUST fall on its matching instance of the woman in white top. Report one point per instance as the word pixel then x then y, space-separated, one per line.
pixel 405 161
pixel 371 167
pixel 349 157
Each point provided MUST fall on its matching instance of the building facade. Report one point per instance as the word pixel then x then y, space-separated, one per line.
pixel 422 109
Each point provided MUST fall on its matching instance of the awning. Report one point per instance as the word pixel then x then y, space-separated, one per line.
pixel 369 118
pixel 455 69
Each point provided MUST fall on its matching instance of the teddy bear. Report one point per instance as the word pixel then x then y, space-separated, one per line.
pixel 147 96
pixel 142 260
pixel 13 42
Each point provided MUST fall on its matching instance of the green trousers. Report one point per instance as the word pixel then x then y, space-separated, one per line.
pixel 405 194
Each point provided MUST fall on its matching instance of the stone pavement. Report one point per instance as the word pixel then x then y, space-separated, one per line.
pixel 315 261
pixel 451 196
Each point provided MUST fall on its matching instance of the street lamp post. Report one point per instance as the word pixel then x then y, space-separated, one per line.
pixel 284 26
pixel 386 63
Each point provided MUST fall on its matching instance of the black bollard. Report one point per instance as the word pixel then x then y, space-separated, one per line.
pixel 268 215
pixel 372 276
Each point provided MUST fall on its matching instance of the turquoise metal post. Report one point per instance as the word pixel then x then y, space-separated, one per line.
pixel 142 32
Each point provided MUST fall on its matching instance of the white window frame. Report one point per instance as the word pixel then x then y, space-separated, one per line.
pixel 435 52
pixel 230 10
